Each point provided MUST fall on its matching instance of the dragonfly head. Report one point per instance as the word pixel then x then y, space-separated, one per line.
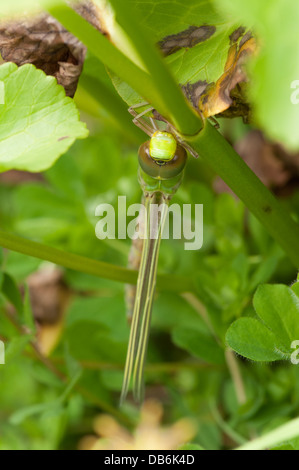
pixel 162 157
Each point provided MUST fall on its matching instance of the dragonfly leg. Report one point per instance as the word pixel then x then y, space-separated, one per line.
pixel 214 122
pixel 189 149
pixel 182 142
pixel 138 105
pixel 139 118
pixel 153 123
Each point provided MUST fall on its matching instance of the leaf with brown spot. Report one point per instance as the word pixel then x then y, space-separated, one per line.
pixel 186 39
pixel 237 34
pixel 196 43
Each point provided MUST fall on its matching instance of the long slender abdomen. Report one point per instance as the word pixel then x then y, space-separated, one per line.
pixel 145 290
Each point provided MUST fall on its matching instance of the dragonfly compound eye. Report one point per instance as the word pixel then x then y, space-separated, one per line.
pixel 169 160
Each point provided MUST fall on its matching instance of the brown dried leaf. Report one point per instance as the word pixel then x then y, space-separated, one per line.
pixel 275 167
pixel 226 92
pixel 16 177
pixel 43 42
pixel 261 157
pixel 48 295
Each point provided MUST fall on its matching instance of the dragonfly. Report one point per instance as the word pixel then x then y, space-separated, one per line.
pixel 162 161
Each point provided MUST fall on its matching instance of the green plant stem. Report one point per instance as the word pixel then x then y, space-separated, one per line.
pixel 87 265
pixel 222 158
pixel 167 367
pixel 115 60
pixel 179 111
pixel 225 427
pixel 45 360
pixel 233 367
pixel 113 105
pixel 273 438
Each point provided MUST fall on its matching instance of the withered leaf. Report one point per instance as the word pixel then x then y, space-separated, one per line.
pixel 226 96
pixel 194 91
pixel 43 42
pixel 226 92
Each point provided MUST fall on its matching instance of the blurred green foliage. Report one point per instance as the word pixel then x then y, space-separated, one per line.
pixel 51 402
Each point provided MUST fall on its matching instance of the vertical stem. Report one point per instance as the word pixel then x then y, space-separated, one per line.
pixel 233 367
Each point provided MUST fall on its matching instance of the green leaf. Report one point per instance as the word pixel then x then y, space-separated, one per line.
pixel 38 122
pixel 295 288
pixel 199 345
pixel 17 346
pixel 36 201
pixel 55 406
pixel 293 444
pixel 11 291
pixel 20 266
pixel 66 177
pixel 251 339
pixel 21 415
pixel 172 311
pixel 276 68
pixel 97 329
pixel 264 271
pixel 278 307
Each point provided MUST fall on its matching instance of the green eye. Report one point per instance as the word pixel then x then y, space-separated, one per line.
pixel 162 146
pixel 169 169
